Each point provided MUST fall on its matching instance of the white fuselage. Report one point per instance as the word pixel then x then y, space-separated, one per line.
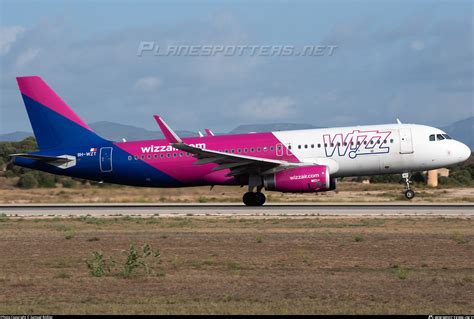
pixel 375 149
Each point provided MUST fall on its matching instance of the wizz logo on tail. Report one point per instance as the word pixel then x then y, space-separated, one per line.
pixel 357 143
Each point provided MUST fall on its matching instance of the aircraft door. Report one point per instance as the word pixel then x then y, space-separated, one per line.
pixel 279 149
pixel 406 141
pixel 105 159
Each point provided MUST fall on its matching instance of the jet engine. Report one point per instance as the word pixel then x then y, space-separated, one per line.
pixel 302 179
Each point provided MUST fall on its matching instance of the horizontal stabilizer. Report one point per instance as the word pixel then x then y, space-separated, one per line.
pixel 43 158
pixel 61 161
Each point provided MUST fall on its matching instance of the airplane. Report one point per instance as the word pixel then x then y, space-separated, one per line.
pixel 299 161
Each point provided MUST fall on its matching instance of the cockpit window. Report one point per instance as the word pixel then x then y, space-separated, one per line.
pixel 446 136
pixel 432 137
pixel 440 137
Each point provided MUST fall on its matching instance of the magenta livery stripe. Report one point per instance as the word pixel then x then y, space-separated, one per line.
pixel 35 88
pixel 181 167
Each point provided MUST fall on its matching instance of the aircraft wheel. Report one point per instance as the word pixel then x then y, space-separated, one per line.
pixel 409 194
pixel 249 199
pixel 260 198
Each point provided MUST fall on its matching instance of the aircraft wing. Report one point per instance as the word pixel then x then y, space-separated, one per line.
pixel 237 164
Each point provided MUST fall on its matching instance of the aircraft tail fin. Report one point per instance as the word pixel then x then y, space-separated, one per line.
pixel 54 123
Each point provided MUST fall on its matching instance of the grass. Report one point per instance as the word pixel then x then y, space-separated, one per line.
pixel 459 238
pixel 400 272
pixel 69 235
pixel 251 266
pixel 62 275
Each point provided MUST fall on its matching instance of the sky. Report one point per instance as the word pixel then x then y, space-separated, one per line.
pixel 406 59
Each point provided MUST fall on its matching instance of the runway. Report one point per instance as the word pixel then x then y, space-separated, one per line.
pixel 238 210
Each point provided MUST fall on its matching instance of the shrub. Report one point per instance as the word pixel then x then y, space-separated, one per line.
pixel 136 260
pixel 68 183
pixel 146 258
pixel 46 180
pixel 27 181
pixel 98 266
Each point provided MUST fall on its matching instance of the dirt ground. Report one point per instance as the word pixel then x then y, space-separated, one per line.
pixel 240 266
pixel 347 192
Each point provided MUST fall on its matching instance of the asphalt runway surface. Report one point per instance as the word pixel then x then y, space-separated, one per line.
pixel 239 210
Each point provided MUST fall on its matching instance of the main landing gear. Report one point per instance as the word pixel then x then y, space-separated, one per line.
pixel 254 199
pixel 409 193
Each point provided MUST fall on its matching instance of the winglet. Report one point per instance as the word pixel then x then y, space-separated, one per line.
pixel 398 121
pixel 209 132
pixel 169 134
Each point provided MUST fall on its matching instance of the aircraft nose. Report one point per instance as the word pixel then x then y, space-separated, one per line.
pixel 463 152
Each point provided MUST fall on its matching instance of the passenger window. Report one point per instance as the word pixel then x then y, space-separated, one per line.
pixel 271 148
pixel 312 145
pixel 432 138
pixel 391 140
pixel 319 145
pixel 439 137
pixel 258 149
pixel 168 155
pixel 129 158
pixel 246 150
pixel 299 146
pixel 306 146
pixel 252 150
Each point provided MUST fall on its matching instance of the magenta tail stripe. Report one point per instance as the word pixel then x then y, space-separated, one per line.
pixel 35 88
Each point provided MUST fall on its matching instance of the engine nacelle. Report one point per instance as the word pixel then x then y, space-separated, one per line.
pixel 300 180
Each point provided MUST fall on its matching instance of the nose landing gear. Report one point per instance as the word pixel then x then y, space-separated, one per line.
pixel 409 193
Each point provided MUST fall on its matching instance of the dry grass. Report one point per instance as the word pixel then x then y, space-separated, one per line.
pixel 346 192
pixel 241 266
